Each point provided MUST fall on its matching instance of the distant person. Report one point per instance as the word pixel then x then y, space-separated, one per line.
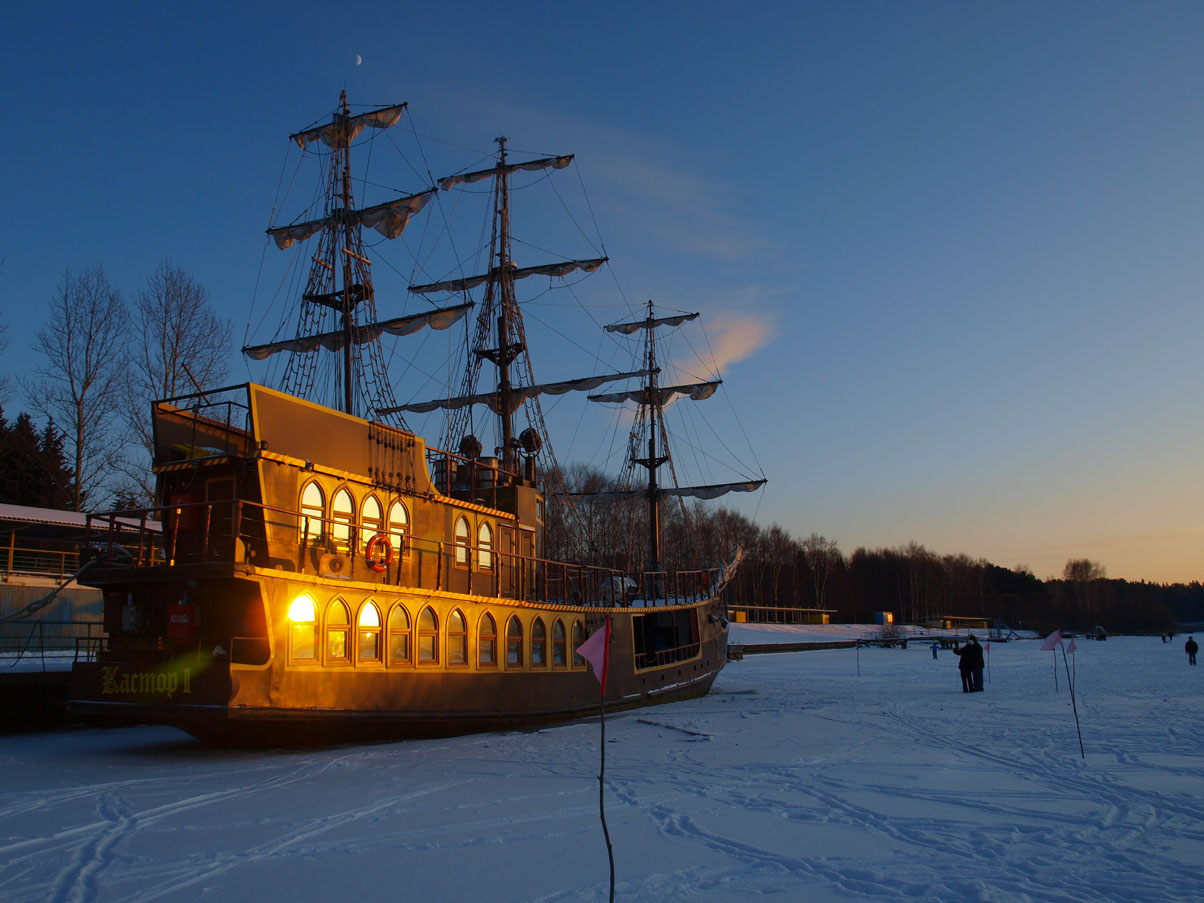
pixel 971 665
pixel 1191 648
pixel 935 647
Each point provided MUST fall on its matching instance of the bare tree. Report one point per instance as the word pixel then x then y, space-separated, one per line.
pixel 4 390
pixel 182 346
pixel 823 557
pixel 1083 575
pixel 79 386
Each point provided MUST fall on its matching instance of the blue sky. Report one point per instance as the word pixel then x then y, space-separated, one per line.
pixel 959 243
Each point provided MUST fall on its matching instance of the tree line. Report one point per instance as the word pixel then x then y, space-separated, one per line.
pixel 788 575
pixel 103 361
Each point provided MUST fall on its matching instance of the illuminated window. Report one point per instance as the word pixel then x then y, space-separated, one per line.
pixel 399 637
pixel 371 520
pixel 338 627
pixel 303 632
pixel 539 644
pixel 514 642
pixel 578 639
pixel 484 547
pixel 368 637
pixel 462 542
pixel 313 510
pixel 457 639
pixel 428 637
pixel 487 642
pixel 559 645
pixel 399 526
pixel 342 513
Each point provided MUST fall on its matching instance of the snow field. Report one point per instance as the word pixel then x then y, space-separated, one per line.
pixel 795 779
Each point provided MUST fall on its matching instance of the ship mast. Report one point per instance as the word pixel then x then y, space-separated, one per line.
pixel 652 462
pixel 340 286
pixel 343 160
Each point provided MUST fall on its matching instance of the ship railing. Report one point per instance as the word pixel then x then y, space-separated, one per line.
pixel 48 644
pixel 235 530
pixel 477 478
pixel 39 562
pixel 661 657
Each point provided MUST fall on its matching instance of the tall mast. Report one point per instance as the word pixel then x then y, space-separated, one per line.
pixel 652 462
pixel 508 298
pixel 343 152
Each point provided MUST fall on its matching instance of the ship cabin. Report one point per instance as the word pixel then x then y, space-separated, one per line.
pixel 248 475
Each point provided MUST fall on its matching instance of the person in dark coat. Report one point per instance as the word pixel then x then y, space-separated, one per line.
pixel 971 666
pixel 1191 647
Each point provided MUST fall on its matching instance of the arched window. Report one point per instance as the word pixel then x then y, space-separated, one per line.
pixel 338 626
pixel 484 547
pixel 399 527
pixel 559 645
pixel 487 642
pixel 303 633
pixel 371 520
pixel 462 542
pixel 368 635
pixel 428 637
pixel 578 639
pixel 313 510
pixel 539 644
pixel 399 637
pixel 457 639
pixel 342 513
pixel 514 642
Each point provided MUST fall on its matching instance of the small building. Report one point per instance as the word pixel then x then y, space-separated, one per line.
pixel 767 614
pixel 958 622
pixel 884 618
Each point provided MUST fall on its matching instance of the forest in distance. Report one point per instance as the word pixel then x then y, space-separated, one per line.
pixel 914 583
pixel 87 447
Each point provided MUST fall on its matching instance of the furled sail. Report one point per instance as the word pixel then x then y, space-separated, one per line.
pixel 441 318
pixel 344 130
pixel 629 328
pixel 692 492
pixel 389 219
pixel 693 391
pixel 482 174
pixel 518 394
pixel 471 282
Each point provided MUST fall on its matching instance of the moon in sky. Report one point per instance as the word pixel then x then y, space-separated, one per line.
pixel 358 59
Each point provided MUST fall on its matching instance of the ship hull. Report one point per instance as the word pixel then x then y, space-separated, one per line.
pixel 489 663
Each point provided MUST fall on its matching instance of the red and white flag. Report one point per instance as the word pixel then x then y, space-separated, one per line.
pixel 596 651
pixel 1052 641
pixel 1071 646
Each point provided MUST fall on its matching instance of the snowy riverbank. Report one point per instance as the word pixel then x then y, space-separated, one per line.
pixel 795 779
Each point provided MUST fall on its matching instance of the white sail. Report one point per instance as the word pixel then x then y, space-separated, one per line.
pixel 334 341
pixel 712 491
pixel 389 219
pixel 518 394
pixel 629 328
pixel 480 175
pixel 693 391
pixel 550 269
pixel 342 131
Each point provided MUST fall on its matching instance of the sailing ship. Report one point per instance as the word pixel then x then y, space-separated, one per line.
pixel 314 571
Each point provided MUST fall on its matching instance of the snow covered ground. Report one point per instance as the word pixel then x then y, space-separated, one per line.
pixel 795 779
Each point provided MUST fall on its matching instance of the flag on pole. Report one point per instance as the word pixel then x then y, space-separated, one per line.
pixel 1052 641
pixel 596 651
pixel 1071 646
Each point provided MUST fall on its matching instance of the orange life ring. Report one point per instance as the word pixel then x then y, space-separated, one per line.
pixel 378 564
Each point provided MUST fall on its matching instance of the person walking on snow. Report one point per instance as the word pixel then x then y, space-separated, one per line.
pixel 935 647
pixel 971 665
pixel 1191 648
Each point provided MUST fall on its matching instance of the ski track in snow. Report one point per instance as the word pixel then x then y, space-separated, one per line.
pixel 795 778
